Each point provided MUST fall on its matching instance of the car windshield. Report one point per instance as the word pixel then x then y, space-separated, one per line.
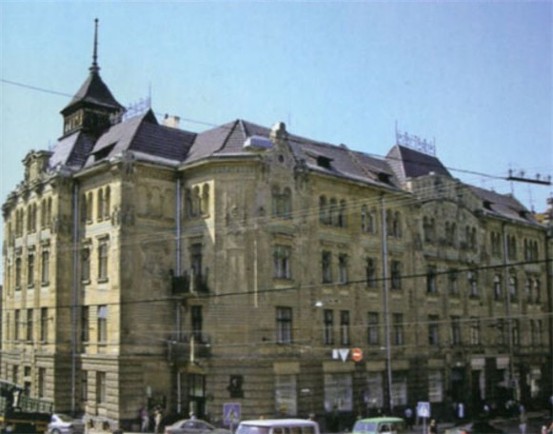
pixel 252 429
pixel 64 417
pixel 364 427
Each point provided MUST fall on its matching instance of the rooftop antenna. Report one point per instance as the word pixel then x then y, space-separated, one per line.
pixel 95 68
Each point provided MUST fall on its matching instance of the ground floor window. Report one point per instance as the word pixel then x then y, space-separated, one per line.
pixel 374 394
pixel 100 387
pixel 286 400
pixel 399 389
pixel 435 386
pixel 338 392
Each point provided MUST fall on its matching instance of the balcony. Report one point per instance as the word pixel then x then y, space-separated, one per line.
pixel 190 283
pixel 187 347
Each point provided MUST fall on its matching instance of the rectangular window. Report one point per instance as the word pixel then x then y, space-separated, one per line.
pixel 453 284
pixel 373 329
pixel 100 387
pixel 85 324
pixel 474 331
pixel 286 397
pixel 343 268
pixel 17 324
pixel 85 264
pixel 45 268
pixel 397 329
pixel 284 325
pixel 327 267
pixel 103 261
pixel 456 330
pixel 396 275
pixel 370 272
pixel 338 392
pixel 102 324
pixel 516 331
pixel 281 262
pixel 433 330
pixel 30 325
pixel 44 324
pixel 435 386
pixel 328 326
pixel 31 270
pixel 374 396
pixel 18 273
pixel 431 280
pixel 197 319
pixel 344 327
pixel 41 382
pixel 472 277
pixel 84 386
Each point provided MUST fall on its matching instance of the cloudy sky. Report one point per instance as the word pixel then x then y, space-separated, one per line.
pixel 474 77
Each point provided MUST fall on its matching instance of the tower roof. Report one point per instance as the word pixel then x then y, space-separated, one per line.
pixel 94 91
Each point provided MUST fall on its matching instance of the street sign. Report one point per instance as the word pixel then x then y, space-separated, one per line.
pixel 231 413
pixel 423 409
pixel 356 354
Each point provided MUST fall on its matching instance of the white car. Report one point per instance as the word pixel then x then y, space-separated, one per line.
pixel 64 424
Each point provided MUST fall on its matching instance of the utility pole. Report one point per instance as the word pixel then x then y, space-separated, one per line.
pixel 512 382
pixel 386 294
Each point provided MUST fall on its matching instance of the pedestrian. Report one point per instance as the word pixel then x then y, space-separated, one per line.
pixel 522 423
pixel 433 427
pixel 157 419
pixel 145 420
pixel 409 418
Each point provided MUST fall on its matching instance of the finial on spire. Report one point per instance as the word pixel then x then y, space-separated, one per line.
pixel 95 67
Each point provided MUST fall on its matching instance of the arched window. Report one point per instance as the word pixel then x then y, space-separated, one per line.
pixel 196 201
pixel 497 290
pixel 333 212
pixel 287 202
pixel 364 219
pixel 205 200
pixel 107 202
pixel 89 207
pixel 342 214
pixel 99 205
pixel 323 211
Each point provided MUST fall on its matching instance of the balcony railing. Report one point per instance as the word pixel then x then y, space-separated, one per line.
pixel 190 283
pixel 187 347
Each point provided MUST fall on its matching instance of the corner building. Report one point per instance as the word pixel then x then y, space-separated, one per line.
pixel 147 265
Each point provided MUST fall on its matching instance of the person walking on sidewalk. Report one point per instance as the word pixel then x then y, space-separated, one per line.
pixel 433 427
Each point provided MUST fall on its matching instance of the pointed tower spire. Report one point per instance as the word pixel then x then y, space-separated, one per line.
pixel 94 68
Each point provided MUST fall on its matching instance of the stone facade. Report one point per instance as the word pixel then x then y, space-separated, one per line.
pixel 242 265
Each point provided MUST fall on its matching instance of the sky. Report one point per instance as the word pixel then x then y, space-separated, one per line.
pixel 474 77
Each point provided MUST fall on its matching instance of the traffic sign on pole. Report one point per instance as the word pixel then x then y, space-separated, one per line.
pixel 356 354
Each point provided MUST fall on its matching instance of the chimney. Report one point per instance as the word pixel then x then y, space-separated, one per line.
pixel 171 121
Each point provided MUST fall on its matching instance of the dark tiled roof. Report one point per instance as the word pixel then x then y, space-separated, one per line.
pixel 94 91
pixel 502 205
pixel 144 135
pixel 228 139
pixel 409 163
pixel 72 150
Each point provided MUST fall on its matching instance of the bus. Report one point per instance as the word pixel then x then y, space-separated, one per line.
pixel 20 413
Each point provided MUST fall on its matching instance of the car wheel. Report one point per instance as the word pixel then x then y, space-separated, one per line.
pixel 55 431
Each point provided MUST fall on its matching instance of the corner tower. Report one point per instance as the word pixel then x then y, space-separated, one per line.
pixel 93 108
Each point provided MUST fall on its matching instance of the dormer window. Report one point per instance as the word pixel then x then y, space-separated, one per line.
pixel 104 152
pixel 323 161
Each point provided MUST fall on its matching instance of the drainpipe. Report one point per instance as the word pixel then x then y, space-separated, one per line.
pixel 384 244
pixel 178 273
pixel 508 313
pixel 75 295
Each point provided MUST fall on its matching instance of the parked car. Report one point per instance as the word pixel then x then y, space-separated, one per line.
pixel 278 426
pixel 476 427
pixel 379 425
pixel 64 424
pixel 194 426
